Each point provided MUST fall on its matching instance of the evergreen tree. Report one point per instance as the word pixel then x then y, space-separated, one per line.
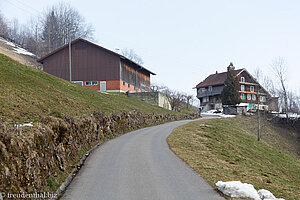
pixel 230 94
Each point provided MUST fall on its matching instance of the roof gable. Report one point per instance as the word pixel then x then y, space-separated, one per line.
pixel 217 79
pixel 97 46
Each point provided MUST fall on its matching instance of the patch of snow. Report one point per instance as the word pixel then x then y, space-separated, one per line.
pixel 224 116
pixel 26 124
pixel 238 189
pixel 20 50
pixel 205 125
pixel 17 49
pixel 244 190
pixel 8 43
pixel 266 194
pixel 290 115
pixel 216 113
pixel 243 104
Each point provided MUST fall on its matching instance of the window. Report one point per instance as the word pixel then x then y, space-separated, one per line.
pixel 249 97
pixel 252 88
pixel 202 90
pixel 242 79
pixel 91 83
pixel 253 97
pixel 128 85
pixel 262 98
pixel 78 82
pixel 205 99
pixel 209 88
pixel 243 96
pixel 242 88
pixel 123 83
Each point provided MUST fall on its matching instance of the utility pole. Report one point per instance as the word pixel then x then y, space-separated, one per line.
pixel 258 114
pixel 70 58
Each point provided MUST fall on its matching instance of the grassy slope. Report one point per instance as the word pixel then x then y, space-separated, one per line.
pixel 229 151
pixel 27 94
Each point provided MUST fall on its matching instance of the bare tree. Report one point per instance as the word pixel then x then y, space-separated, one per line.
pixel 131 55
pixel 188 100
pixel 176 99
pixel 280 69
pixel 58 21
pixel 268 84
pixel 3 27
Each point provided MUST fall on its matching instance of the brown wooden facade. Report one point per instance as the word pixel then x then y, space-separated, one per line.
pixel 95 67
pixel 251 92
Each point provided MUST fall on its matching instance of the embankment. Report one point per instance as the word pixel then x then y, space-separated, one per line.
pixel 39 158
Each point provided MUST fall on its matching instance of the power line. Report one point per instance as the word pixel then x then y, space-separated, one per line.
pixel 28 6
pixel 22 9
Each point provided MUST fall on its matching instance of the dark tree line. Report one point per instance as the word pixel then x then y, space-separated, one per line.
pixel 49 31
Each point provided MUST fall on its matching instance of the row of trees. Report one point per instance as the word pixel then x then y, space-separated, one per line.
pixel 289 101
pixel 178 100
pixel 48 31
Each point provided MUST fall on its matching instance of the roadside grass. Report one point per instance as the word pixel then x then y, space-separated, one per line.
pixel 27 94
pixel 228 150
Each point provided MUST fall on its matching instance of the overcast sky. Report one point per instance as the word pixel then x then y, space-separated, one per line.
pixel 185 41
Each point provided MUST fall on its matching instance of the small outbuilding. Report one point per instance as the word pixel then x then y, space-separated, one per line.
pixel 97 68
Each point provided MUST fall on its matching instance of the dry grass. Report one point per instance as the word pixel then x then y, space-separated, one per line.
pixel 27 94
pixel 229 151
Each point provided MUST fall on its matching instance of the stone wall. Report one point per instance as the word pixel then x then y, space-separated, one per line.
pixel 38 158
pixel 154 98
pixel 234 110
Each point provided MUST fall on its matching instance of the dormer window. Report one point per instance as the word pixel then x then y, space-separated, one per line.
pixel 242 88
pixel 242 79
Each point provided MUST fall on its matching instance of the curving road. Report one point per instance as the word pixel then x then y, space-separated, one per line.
pixel 139 165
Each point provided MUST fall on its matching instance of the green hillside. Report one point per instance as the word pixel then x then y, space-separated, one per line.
pixel 27 94
pixel 227 150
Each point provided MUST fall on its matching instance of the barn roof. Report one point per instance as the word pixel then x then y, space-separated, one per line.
pixel 102 48
pixel 217 78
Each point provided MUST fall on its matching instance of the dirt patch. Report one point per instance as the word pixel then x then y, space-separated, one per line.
pixel 23 59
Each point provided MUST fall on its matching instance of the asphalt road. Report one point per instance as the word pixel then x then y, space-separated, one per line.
pixel 139 165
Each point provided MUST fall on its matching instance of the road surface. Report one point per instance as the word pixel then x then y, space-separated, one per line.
pixel 139 166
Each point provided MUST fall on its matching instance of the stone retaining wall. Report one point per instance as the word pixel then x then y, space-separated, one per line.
pixel 38 158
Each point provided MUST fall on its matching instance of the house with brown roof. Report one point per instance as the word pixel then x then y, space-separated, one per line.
pixel 251 92
pixel 97 68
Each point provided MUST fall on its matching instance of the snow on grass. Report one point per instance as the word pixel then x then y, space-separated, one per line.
pixel 22 125
pixel 104 92
pixel 238 189
pixel 8 43
pixel 244 190
pixel 216 113
pixel 20 50
pixel 17 49
pixel 290 115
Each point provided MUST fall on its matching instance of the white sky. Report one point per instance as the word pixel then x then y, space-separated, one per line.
pixel 185 41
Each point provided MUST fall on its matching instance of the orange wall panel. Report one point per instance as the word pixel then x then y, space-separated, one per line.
pixel 94 87
pixel 113 85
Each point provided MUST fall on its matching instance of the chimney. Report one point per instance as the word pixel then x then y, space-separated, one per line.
pixel 230 67
pixel 216 72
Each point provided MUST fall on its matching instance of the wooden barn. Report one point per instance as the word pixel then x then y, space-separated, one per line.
pixel 97 68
